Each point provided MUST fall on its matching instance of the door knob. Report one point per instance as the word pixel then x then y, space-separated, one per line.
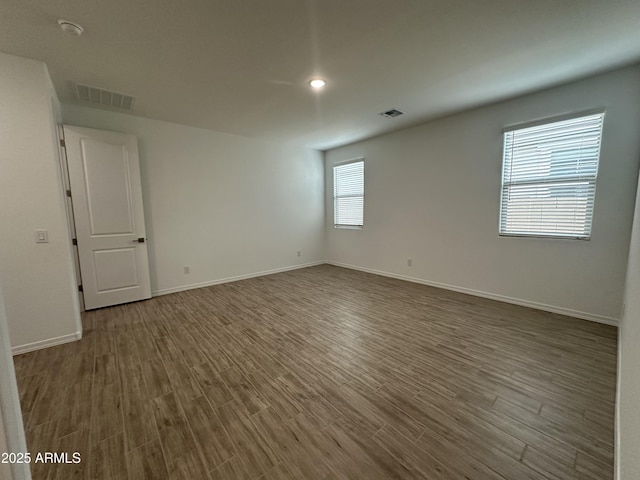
pixel 139 240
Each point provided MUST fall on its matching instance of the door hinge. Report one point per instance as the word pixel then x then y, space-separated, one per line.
pixel 80 288
pixel 69 193
pixel 74 241
pixel 62 143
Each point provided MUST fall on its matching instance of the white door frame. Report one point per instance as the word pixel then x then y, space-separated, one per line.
pixel 10 402
pixel 66 188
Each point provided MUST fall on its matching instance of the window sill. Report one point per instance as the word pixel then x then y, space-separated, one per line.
pixel 536 235
pixel 349 227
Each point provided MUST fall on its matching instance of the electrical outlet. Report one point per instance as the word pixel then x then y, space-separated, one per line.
pixel 409 263
pixel 187 269
pixel 299 253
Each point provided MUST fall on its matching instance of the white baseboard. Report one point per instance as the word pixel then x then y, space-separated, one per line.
pixel 493 296
pixel 50 342
pixel 617 475
pixel 182 288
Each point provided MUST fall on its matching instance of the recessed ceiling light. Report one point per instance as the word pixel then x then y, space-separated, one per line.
pixel 70 27
pixel 317 83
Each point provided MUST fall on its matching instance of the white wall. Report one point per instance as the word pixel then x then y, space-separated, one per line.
pixel 12 438
pixel 40 295
pixel 432 194
pixel 628 395
pixel 227 206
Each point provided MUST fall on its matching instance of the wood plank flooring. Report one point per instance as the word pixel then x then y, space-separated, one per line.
pixel 324 373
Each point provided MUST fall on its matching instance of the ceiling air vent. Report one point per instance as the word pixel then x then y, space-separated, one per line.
pixel 393 113
pixel 100 96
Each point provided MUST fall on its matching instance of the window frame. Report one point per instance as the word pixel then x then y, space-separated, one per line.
pixel 333 171
pixel 503 185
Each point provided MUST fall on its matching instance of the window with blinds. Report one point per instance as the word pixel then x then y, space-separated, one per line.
pixel 348 194
pixel 549 178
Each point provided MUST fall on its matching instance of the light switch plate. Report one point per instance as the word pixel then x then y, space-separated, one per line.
pixel 42 236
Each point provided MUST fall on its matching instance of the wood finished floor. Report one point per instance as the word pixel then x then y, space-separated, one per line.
pixel 324 373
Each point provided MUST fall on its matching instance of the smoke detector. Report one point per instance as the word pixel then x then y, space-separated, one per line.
pixel 71 28
pixel 393 113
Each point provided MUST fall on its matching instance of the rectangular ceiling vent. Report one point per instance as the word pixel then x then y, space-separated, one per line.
pixel 104 97
pixel 393 113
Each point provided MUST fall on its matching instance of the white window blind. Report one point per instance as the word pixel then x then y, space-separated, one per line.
pixel 549 178
pixel 348 194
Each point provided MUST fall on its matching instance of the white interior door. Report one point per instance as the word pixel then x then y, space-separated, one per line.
pixel 104 174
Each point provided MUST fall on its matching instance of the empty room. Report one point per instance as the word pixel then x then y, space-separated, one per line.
pixel 319 239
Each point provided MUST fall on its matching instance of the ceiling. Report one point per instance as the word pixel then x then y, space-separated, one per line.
pixel 242 66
